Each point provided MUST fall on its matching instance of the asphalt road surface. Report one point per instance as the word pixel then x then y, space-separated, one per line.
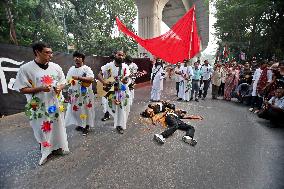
pixel 235 150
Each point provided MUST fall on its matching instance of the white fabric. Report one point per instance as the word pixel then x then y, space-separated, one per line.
pixel 188 83
pixel 278 102
pixel 119 112
pixel 255 79
pixel 269 75
pixel 104 104
pixel 206 71
pixel 31 75
pixel 156 83
pixel 183 71
pixel 185 84
pixel 133 68
pixel 177 76
pixel 80 110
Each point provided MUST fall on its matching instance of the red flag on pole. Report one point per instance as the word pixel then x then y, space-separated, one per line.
pixel 179 43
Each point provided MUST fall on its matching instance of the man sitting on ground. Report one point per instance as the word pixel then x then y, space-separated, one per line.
pixel 273 109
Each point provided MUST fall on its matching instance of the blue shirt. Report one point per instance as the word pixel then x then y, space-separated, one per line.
pixel 197 73
pixel 278 102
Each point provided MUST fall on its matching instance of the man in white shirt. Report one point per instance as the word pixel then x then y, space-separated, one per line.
pixel 207 71
pixel 118 100
pixel 274 108
pixel 177 76
pixel 42 82
pixel 133 68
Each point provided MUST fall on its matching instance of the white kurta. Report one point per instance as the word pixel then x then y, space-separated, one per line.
pixel 181 90
pixel 156 82
pixel 255 79
pixel 133 68
pixel 80 110
pixel 187 83
pixel 119 112
pixel 44 109
pixel 104 104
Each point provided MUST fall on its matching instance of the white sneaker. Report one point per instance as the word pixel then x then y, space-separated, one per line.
pixel 159 138
pixel 187 139
pixel 251 109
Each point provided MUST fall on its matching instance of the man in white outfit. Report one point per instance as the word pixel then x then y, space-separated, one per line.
pixel 177 76
pixel 42 82
pixel 80 110
pixel 118 100
pixel 156 77
pixel 133 68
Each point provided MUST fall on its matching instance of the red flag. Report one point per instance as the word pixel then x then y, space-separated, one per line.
pixel 179 43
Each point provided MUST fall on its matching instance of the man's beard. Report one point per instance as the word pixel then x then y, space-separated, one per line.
pixel 118 60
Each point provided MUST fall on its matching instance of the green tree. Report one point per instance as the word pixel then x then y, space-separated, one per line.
pixel 253 26
pixel 88 25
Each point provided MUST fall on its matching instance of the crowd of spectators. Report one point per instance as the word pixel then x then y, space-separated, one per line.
pixel 257 84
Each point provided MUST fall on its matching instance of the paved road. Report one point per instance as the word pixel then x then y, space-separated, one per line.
pixel 235 150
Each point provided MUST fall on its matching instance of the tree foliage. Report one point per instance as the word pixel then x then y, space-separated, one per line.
pixel 88 25
pixel 253 26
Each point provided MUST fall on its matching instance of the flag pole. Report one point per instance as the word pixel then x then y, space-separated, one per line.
pixel 190 45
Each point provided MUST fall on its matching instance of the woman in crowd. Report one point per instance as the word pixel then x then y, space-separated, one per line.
pixel 231 82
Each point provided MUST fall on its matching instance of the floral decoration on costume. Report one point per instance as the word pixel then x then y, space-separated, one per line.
pixel 46 144
pixel 47 80
pixel 83 116
pixel 46 126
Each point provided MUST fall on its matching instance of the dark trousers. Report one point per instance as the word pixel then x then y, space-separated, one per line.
pixel 174 123
pixel 205 88
pixel 221 89
pixel 215 90
pixel 272 115
pixel 256 102
pixel 177 87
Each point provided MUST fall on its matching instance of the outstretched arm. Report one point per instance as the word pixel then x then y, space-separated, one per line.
pixel 197 117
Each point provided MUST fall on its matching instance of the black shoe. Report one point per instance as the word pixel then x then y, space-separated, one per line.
pixel 179 99
pixel 57 152
pixel 193 142
pixel 196 100
pixel 86 130
pixel 190 99
pixel 79 128
pixel 119 129
pixel 106 117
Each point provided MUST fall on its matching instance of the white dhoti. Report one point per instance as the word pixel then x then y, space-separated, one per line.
pixel 104 104
pixel 187 90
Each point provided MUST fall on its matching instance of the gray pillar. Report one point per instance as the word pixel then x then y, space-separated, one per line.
pixel 149 20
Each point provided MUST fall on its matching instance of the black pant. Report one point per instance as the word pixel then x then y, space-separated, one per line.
pixel 221 89
pixel 256 102
pixel 272 115
pixel 177 87
pixel 174 123
pixel 205 88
